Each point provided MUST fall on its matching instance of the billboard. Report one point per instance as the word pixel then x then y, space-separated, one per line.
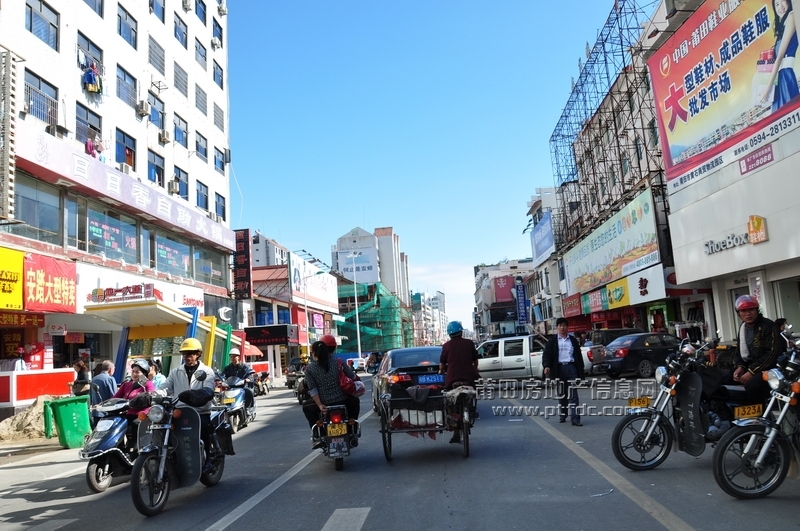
pixel 504 289
pixel 724 89
pixel 542 241
pixel 49 284
pixel 364 265
pixel 312 286
pixel 626 243
pixel 242 265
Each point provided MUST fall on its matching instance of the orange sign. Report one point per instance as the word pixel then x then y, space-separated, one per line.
pixel 757 229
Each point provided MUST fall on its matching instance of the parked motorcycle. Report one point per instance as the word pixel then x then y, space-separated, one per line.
pixel 261 386
pixel 112 447
pixel 337 434
pixel 232 395
pixel 753 458
pixel 176 455
pixel 700 411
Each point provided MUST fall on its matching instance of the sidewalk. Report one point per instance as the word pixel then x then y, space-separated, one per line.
pixel 16 450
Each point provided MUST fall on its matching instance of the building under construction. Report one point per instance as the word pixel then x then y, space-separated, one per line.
pixel 384 321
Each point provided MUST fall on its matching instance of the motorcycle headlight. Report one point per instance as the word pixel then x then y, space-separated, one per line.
pixel 774 378
pixel 661 374
pixel 156 414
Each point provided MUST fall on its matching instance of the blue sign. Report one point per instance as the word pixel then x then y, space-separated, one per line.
pixel 522 314
pixel 542 241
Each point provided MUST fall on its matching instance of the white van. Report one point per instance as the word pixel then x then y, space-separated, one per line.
pixel 518 357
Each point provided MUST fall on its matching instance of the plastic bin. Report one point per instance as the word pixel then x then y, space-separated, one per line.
pixel 71 416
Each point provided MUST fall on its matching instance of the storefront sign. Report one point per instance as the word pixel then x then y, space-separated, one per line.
pixel 522 312
pixel 757 229
pixel 125 293
pixel 595 301
pixel 75 338
pixel 605 316
pixel 503 287
pixel 624 244
pixel 57 330
pixel 271 334
pixel 571 306
pixel 11 270
pixel 49 284
pixel 647 285
pixel 12 341
pixel 732 240
pixel 242 266
pixel 9 319
pixel 618 294
pixel 757 159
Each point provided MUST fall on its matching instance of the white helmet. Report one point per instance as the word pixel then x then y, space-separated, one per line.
pixel 235 352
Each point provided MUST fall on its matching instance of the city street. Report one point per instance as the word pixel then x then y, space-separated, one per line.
pixel 523 472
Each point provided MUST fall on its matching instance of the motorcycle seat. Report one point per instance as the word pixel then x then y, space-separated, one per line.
pixel 737 393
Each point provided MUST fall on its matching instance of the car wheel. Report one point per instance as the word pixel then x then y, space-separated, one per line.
pixel 645 369
pixel 612 374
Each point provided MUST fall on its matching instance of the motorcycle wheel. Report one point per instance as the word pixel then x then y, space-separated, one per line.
pixel 96 476
pixel 209 479
pixel 149 493
pixel 630 448
pixel 338 463
pixel 386 437
pixel 734 466
pixel 235 421
pixel 645 369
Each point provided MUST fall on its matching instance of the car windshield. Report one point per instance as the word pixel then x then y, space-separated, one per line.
pixel 622 342
pixel 411 358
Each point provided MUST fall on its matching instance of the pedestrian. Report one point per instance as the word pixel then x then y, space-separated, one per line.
pixel 759 348
pixel 156 374
pixel 104 383
pixel 459 363
pixel 563 363
pixel 83 382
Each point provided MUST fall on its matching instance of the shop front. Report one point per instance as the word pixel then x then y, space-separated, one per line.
pixel 280 344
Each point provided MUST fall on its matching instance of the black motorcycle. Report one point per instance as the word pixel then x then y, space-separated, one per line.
pixel 337 434
pixel 691 407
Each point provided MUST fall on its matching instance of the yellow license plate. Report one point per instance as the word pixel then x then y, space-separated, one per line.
pixel 335 430
pixel 642 401
pixel 743 412
pixel 228 400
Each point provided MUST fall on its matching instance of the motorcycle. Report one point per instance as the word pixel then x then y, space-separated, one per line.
pixel 337 434
pixel 753 458
pixel 232 395
pixel 301 389
pixel 261 386
pixel 701 411
pixel 176 456
pixel 111 448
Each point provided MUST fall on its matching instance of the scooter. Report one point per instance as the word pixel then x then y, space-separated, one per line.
pixel 336 434
pixel 261 387
pixel 233 398
pixel 112 447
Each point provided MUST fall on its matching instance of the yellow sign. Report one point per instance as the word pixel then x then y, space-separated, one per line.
pixel 618 294
pixel 757 229
pixel 11 276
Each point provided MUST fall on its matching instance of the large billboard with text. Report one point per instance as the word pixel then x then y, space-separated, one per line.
pixel 542 241
pixel 724 89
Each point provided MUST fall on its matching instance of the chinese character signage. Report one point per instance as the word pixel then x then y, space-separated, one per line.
pixel 125 293
pixel 313 287
pixel 11 279
pixel 571 306
pixel 503 287
pixel 542 241
pixel 242 266
pixel 49 284
pixel 757 229
pixel 361 264
pixel 522 310
pixel 723 88
pixel 9 319
pixel 272 335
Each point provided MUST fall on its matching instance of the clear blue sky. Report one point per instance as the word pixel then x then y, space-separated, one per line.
pixel 432 117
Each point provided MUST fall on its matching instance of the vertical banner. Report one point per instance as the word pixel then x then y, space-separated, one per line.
pixel 49 284
pixel 522 314
pixel 11 279
pixel 242 266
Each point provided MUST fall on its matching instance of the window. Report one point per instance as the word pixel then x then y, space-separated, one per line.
pixel 625 165
pixel 96 5
pixel 561 273
pixel 126 87
pixel 612 177
pixel 89 53
pixel 148 239
pixel 201 146
pixel 218 75
pixel 181 33
pixel 217 30
pixel 155 168
pixel 41 98
pixel 489 350
pixel 126 26
pixel 219 161
pixel 38 208
pixel 155 55
pixel 183 183
pixel 126 149
pixel 157 8
pixel 653 133
pixel 87 124
pixel 76 222
pixel 156 110
pixel 202 195
pixel 638 144
pixel 42 21
pixel 219 118
pixel 173 255
pixel 219 205
pixel 200 100
pixel 181 80
pixel 181 131
pixel 200 53
pixel 200 10
pixel 512 348
pixel 209 266
pixel 112 233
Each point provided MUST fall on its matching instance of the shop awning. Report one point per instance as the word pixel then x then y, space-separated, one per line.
pixel 139 313
pixel 251 350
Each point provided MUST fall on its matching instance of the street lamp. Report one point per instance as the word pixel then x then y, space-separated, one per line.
pixel 305 305
pixel 353 256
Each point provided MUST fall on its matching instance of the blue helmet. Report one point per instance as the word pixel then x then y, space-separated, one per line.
pixel 454 327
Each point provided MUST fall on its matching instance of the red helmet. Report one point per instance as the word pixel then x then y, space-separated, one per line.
pixel 746 302
pixel 329 341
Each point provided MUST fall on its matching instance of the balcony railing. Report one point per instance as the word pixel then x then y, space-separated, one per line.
pixel 126 92
pixel 41 105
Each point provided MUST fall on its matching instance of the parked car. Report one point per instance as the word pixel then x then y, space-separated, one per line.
pixel 600 338
pixel 404 367
pixel 640 353
pixel 517 357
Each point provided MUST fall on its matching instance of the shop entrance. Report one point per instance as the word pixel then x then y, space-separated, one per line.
pixel 788 297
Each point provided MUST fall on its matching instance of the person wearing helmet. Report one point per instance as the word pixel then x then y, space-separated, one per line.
pixel 241 370
pixel 138 384
pixel 759 348
pixel 458 362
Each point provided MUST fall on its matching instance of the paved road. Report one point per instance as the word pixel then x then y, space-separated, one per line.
pixel 523 472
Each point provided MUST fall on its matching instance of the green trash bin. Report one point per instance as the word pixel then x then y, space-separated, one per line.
pixel 71 416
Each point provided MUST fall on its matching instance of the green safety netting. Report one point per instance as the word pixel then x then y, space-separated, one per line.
pixel 384 322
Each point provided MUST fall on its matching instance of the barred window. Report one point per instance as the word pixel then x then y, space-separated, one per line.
pixel 156 56
pixel 126 87
pixel 181 80
pixel 219 118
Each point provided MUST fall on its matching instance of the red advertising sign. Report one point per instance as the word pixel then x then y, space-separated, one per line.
pixel 49 284
pixel 242 266
pixel 8 319
pixel 503 289
pixel 572 305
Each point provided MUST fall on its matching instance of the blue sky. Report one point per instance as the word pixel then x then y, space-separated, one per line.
pixel 430 117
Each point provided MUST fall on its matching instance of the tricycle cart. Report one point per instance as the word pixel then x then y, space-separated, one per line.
pixel 427 410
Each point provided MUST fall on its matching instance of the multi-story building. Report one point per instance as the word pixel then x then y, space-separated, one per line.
pixel 542 287
pixel 114 160
pixel 499 312
pixel 430 320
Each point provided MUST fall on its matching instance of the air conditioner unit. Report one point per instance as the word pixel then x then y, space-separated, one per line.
pixel 174 187
pixel 125 168
pixel 143 108
pixel 163 136
pixel 223 10
pixel 215 42
pixel 226 156
pixel 187 5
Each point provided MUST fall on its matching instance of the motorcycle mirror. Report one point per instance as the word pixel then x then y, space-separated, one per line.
pixel 200 376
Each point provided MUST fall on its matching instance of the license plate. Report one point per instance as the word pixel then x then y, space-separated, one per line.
pixel 642 401
pixel 743 412
pixel 338 447
pixel 334 430
pixel 228 400
pixel 430 378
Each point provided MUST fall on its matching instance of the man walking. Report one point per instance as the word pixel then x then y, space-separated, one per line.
pixel 563 361
pixel 104 385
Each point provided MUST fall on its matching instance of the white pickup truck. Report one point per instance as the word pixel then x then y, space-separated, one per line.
pixel 518 357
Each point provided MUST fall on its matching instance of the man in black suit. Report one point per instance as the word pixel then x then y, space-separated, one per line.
pixel 563 361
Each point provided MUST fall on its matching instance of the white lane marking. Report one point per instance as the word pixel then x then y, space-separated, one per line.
pixel 69 472
pixel 51 525
pixel 347 519
pixel 660 513
pixel 258 497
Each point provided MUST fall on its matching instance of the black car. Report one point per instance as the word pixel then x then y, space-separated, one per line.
pixel 404 367
pixel 640 353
